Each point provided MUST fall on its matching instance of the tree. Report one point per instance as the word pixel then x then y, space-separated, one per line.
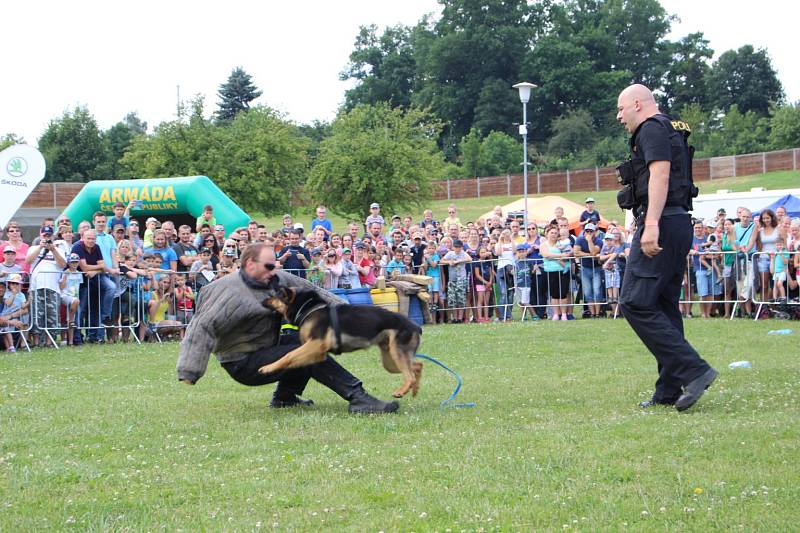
pixel 235 95
pixel 116 141
pixel 785 127
pixel 738 133
pixel 72 146
pixel 572 133
pixel 500 154
pixel 10 139
pixel 376 154
pixel 744 78
pixel 384 67
pixel 259 159
pixel 686 80
pixel 470 148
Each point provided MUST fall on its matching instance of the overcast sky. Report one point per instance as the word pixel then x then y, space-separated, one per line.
pixel 117 57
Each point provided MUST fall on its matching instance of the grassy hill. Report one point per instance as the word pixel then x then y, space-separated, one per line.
pixel 606 201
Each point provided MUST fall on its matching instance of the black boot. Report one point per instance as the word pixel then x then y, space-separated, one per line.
pixel 290 387
pixel 335 377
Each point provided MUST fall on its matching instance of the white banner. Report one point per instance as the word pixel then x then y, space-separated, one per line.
pixel 22 167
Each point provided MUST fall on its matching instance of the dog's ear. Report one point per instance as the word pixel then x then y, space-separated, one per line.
pixel 289 294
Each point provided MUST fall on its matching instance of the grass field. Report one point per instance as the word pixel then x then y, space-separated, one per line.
pixel 105 439
pixel 606 201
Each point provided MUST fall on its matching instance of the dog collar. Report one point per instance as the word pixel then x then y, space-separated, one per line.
pixel 300 316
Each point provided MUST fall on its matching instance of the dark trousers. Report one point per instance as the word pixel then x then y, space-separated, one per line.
pixel 293 380
pixel 649 301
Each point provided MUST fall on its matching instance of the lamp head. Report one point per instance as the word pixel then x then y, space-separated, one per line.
pixel 524 89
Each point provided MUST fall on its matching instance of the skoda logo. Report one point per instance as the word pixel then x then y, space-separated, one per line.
pixel 17 167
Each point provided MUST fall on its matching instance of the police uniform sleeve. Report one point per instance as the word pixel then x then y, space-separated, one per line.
pixel 653 142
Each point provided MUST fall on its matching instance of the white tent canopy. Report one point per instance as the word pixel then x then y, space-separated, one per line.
pixel 707 205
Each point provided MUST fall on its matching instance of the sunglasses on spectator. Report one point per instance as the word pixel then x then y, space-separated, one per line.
pixel 12 230
pixel 268 266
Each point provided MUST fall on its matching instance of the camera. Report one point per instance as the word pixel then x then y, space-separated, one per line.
pixel 46 242
pixel 712 238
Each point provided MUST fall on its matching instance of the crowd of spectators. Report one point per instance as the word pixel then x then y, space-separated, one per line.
pixel 109 279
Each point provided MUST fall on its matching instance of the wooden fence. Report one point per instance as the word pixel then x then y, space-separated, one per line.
pixel 59 195
pixel 604 178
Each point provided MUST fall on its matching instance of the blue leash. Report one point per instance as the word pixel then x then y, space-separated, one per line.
pixel 448 402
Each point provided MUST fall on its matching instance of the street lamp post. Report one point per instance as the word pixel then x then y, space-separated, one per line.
pixel 524 89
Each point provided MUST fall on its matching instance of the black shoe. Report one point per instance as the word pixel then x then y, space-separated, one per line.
pixel 695 389
pixel 653 403
pixel 289 401
pixel 363 403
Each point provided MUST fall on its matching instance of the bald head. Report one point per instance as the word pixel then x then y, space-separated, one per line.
pixel 635 104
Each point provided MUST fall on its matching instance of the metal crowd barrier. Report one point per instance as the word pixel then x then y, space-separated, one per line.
pixel 764 283
pixel 25 318
pixel 730 285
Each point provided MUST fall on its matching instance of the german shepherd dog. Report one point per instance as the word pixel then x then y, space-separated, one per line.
pixel 360 326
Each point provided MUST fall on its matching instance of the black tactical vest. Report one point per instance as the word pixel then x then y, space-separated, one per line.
pixel 681 187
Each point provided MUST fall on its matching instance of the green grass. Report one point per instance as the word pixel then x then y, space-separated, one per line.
pixel 105 438
pixel 606 201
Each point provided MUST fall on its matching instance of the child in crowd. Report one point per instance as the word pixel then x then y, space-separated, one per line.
pixel 483 279
pixel 184 300
pixel 151 225
pixel 364 265
pixel 779 260
pixel 121 214
pixel 229 263
pixel 130 300
pixel 608 258
pixel 15 306
pixel 349 278
pixel 316 271
pixel 430 267
pixel 396 264
pixel 201 272
pixel 522 275
pixel 160 304
pixel 457 259
pixel 70 286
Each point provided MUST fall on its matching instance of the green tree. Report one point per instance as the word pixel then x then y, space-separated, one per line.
pixel 785 127
pixel 10 139
pixel 572 133
pixel 259 159
pixel 384 67
pixel 377 154
pixel 738 133
pixel 702 123
pixel 744 78
pixel 686 80
pixel 235 95
pixel 72 146
pixel 500 154
pixel 470 148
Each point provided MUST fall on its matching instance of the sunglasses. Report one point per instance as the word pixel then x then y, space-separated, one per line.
pixel 269 266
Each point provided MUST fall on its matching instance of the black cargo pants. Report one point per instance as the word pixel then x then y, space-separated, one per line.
pixel 649 301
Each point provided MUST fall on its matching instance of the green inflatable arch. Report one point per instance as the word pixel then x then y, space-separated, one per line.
pixel 178 199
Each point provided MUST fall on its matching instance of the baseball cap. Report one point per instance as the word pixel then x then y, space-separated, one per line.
pixel 74 257
pixel 151 219
pixel 458 243
pixel 522 246
pixel 118 225
pixel 589 199
pixel 590 226
pixel 9 248
pixel 396 217
pixel 205 250
pixel 46 229
pixel 316 251
pixel 219 227
pixel 609 236
pixel 360 246
pixel 375 205
pixel 229 252
pixel 299 225
pixel 346 250
pixel 14 278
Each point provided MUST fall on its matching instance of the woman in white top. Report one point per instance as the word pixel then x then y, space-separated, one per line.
pixel 504 250
pixel 764 237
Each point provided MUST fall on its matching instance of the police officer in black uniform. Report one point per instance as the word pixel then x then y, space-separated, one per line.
pixel 658 186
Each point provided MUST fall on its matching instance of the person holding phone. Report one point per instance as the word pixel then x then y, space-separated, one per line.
pixel 294 258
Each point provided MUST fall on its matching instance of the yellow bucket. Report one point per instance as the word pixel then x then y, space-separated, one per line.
pixel 386 298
